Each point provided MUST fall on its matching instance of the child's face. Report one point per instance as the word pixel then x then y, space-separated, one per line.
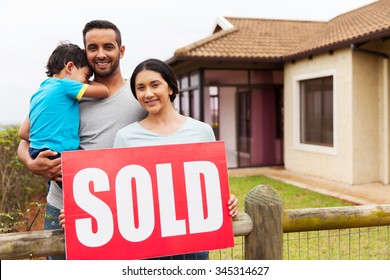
pixel 81 74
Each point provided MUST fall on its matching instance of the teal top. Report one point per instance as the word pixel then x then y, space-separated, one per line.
pixel 192 131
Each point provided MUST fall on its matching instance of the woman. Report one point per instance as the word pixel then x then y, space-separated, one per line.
pixel 154 85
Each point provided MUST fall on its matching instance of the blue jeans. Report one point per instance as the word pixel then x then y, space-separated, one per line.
pixel 51 222
pixel 190 256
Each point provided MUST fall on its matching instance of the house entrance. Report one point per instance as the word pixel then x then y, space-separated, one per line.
pixel 259 127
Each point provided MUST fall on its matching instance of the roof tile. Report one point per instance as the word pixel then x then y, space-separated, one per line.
pixel 276 39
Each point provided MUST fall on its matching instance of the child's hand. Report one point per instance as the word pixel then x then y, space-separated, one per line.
pixel 233 206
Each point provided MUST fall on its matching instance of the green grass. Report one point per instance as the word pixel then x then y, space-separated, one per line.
pixel 293 198
pixel 368 243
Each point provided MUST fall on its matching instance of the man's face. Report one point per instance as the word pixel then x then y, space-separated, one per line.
pixel 103 52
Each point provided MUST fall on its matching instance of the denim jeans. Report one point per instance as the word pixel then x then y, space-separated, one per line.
pixel 51 222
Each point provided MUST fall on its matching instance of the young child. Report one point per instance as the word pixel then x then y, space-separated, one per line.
pixel 53 120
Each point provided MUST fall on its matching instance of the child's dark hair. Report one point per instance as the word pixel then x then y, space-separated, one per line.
pixel 158 66
pixel 64 53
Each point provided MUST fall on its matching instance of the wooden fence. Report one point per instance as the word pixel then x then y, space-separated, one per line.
pixel 263 224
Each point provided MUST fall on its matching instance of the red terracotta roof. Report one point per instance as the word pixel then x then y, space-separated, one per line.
pixel 269 39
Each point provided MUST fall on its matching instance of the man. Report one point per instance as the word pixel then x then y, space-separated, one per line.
pixel 100 119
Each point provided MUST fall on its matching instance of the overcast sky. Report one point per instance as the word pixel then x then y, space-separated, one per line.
pixel 31 29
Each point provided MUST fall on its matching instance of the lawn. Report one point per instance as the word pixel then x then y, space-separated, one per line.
pixel 293 198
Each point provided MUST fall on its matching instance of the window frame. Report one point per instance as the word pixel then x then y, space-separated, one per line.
pixel 297 114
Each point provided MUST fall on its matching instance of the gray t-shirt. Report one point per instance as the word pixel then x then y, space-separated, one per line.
pixel 100 120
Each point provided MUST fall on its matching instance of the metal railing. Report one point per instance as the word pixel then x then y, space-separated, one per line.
pixel 364 243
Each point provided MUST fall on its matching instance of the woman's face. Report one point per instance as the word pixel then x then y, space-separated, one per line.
pixel 152 91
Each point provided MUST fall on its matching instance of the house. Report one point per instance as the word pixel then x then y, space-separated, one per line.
pixel 312 96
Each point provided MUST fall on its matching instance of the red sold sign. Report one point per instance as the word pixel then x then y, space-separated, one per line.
pixel 135 203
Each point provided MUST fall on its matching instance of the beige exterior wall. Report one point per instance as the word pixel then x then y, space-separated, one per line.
pixel 365 122
pixel 357 156
pixel 383 111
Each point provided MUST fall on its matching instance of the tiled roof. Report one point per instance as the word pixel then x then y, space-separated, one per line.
pixel 251 38
pixel 269 39
pixel 368 22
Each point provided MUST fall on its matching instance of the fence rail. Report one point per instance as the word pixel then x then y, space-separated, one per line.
pixel 263 225
pixel 310 219
pixel 32 244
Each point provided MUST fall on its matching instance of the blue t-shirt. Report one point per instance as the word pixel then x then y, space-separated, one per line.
pixel 54 115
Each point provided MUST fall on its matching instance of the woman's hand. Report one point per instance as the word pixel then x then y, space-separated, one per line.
pixel 61 218
pixel 233 205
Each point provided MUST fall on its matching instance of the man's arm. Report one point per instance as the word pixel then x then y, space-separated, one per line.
pixel 42 165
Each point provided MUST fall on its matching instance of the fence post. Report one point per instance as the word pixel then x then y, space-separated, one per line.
pixel 265 241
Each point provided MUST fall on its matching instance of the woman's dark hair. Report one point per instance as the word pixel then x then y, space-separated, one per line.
pixel 64 53
pixel 158 66
pixel 102 24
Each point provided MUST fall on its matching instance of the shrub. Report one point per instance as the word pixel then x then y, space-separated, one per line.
pixel 18 186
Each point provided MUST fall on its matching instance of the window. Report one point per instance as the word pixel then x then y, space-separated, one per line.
pixel 195 104
pixel 212 110
pixel 316 111
pixel 184 103
pixel 190 98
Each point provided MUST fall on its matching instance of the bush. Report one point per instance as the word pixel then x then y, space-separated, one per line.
pixel 18 185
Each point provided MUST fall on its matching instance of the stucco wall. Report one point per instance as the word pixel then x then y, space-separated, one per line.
pixel 383 99
pixel 354 157
pixel 365 125
pixel 383 110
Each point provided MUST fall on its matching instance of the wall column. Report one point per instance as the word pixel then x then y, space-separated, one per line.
pixel 386 167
